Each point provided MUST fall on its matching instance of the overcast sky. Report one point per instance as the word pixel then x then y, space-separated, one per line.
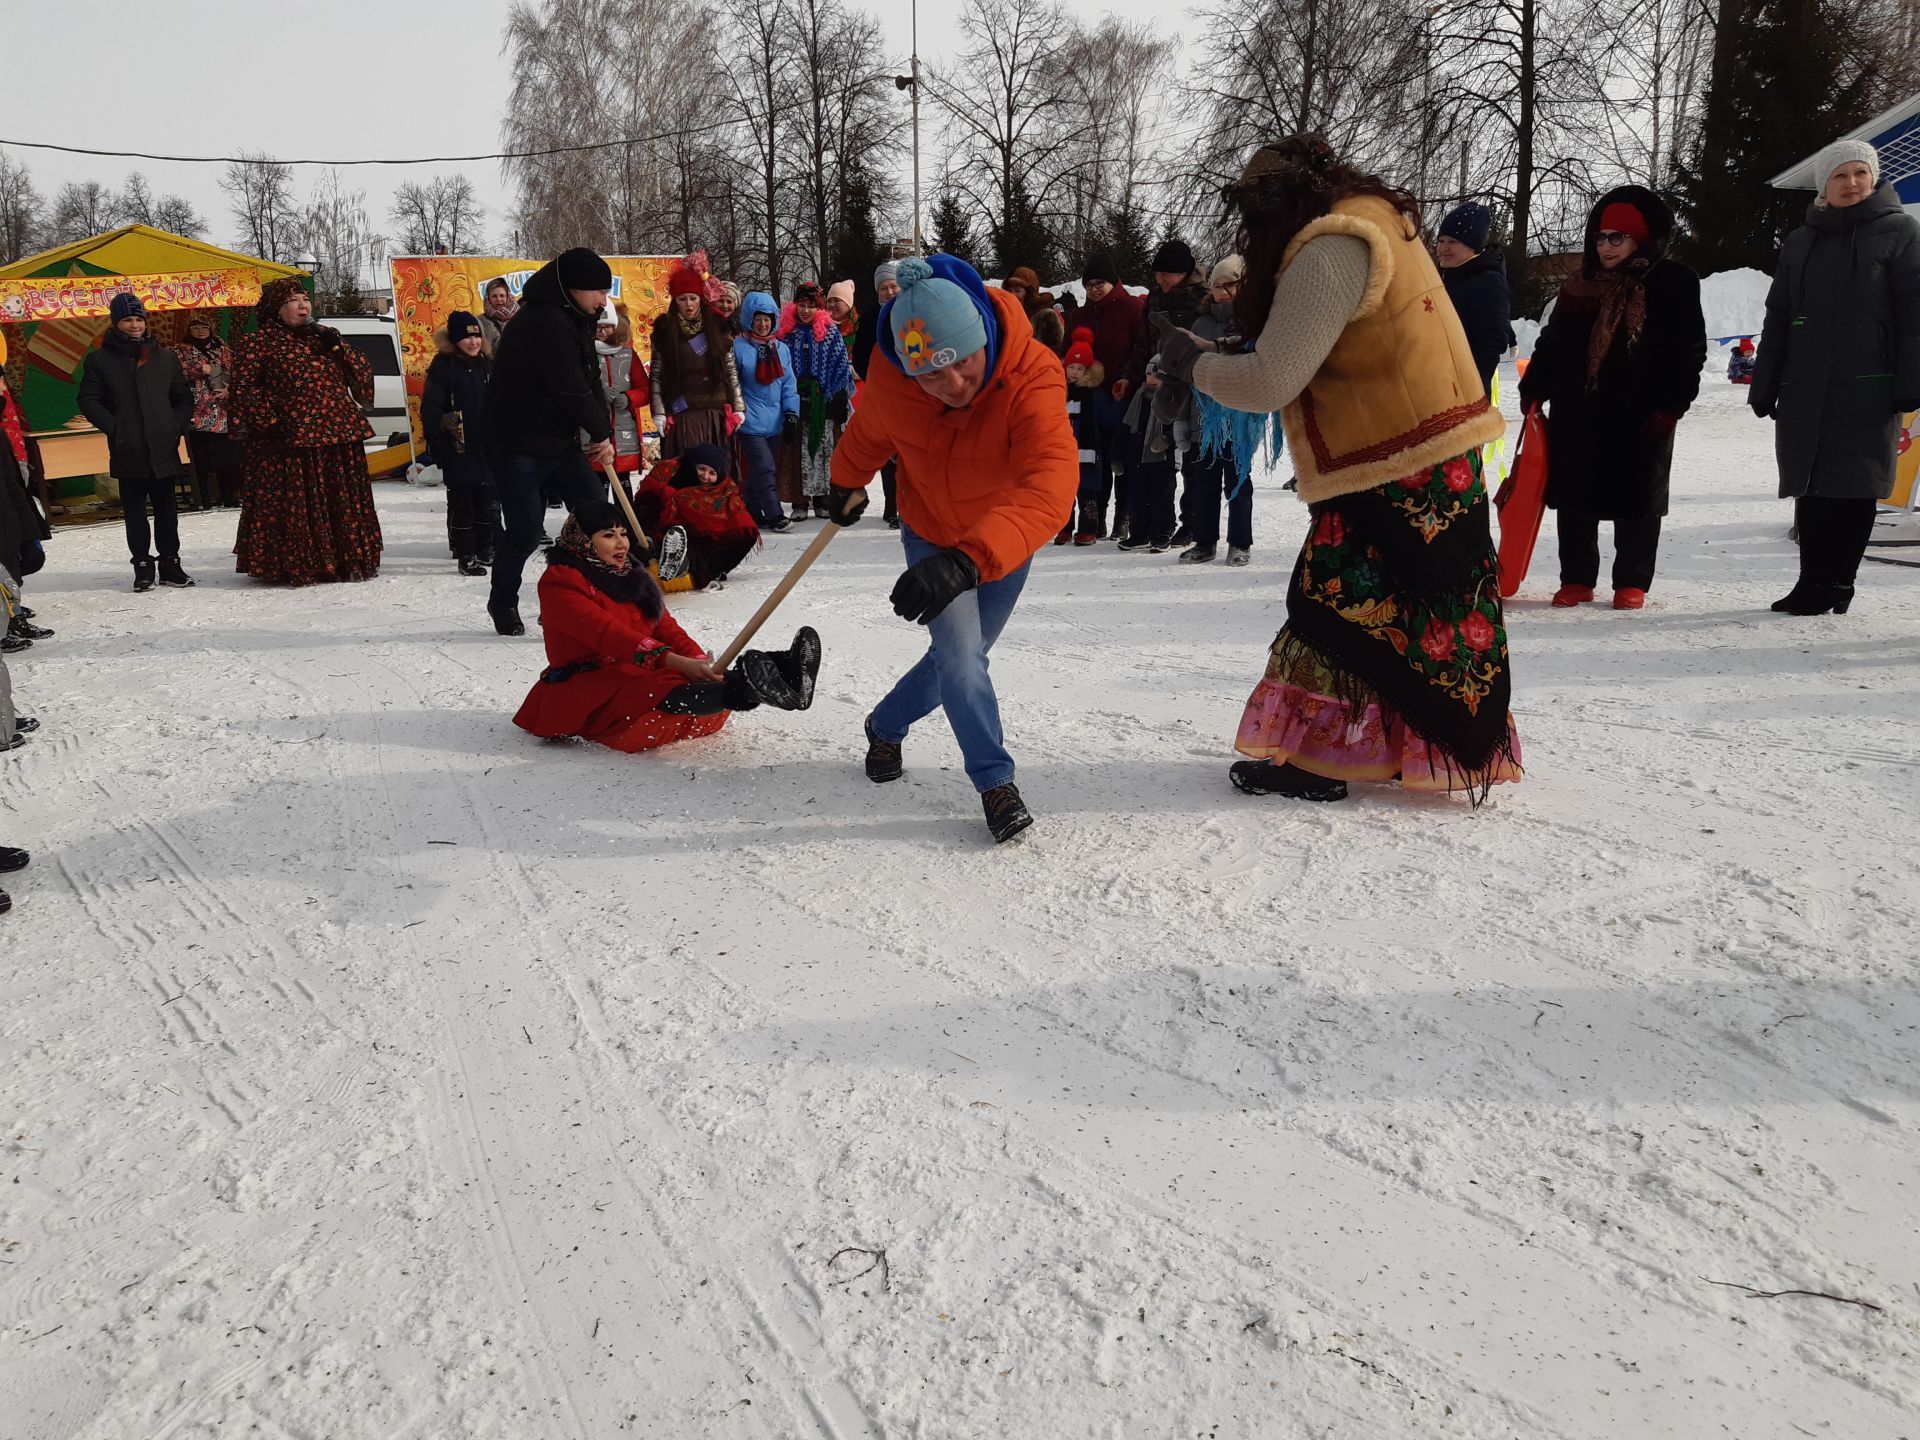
pixel 329 79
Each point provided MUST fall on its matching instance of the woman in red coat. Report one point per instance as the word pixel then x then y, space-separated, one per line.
pixel 620 670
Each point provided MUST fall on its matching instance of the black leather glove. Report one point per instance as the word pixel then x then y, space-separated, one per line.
pixel 929 587
pixel 790 426
pixel 326 339
pixel 1178 352
pixel 838 409
pixel 847 506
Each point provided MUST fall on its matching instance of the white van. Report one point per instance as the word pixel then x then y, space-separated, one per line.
pixel 378 338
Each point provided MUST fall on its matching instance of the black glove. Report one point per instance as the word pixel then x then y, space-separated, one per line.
pixel 1178 352
pixel 929 587
pixel 847 506
pixel 1762 409
pixel 838 409
pixel 326 339
pixel 790 426
pixel 450 421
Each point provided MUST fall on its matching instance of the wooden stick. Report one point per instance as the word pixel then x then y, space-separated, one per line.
pixel 620 494
pixel 780 592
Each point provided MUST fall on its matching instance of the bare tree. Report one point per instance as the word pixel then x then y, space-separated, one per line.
pixel 445 211
pixel 1117 75
pixel 21 209
pixel 335 230
pixel 81 208
pixel 136 204
pixel 259 190
pixel 761 85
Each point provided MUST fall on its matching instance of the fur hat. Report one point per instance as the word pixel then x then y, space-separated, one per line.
pixel 1050 329
pixel 1080 351
pixel 1230 271
pixel 1024 276
pixel 1100 268
pixel 462 326
pixel 1174 258
pixel 841 290
pixel 1471 224
pixel 582 269
pixel 1844 152
pixel 808 292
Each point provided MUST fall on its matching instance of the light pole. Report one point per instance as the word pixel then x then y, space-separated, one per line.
pixel 912 82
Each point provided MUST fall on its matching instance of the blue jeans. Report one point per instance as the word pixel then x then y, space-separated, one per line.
pixel 522 482
pixel 952 675
pixel 1205 480
pixel 760 458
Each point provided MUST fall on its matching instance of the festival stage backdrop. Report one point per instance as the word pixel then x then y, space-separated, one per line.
pixel 428 288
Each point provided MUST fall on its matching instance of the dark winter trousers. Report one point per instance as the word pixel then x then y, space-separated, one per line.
pixel 470 521
pixel 890 487
pixel 1636 543
pixel 1151 507
pixel 760 459
pixel 1833 537
pixel 1200 501
pixel 135 496
pixel 524 481
pixel 1116 461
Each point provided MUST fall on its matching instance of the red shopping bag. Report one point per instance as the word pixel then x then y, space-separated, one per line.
pixel 1522 502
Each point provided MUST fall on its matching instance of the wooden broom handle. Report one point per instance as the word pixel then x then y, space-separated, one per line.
pixel 620 494
pixel 780 592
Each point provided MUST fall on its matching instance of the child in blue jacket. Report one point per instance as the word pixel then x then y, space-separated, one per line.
pixel 773 407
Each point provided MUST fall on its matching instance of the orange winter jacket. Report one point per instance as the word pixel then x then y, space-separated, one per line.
pixel 996 480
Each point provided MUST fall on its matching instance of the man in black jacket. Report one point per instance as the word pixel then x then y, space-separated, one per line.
pixel 1181 295
pixel 133 392
pixel 1476 281
pixel 543 396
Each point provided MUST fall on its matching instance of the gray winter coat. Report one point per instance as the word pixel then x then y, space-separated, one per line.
pixel 1839 358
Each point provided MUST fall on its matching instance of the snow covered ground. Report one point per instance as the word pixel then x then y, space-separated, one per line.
pixel 372 1069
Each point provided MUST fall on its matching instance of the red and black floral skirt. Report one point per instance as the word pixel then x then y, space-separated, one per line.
pixel 1393 662
pixel 306 515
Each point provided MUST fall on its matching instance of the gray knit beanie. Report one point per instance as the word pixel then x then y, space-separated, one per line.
pixel 1845 152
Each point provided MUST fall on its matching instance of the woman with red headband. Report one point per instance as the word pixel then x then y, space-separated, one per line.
pixel 695 388
pixel 1616 368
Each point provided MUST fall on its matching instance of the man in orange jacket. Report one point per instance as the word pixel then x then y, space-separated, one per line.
pixel 976 410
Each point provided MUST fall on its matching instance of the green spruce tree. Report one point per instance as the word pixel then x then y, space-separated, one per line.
pixel 952 231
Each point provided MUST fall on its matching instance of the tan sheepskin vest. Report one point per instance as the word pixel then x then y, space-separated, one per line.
pixel 1399 392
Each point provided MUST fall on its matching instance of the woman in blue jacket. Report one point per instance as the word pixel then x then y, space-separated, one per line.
pixel 773 407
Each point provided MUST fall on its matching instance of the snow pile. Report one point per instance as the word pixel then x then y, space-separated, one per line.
pixel 1525 333
pixel 1735 303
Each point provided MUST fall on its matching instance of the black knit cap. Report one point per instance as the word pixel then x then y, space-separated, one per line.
pixel 597 515
pixel 462 326
pixel 711 455
pixel 581 269
pixel 1100 267
pixel 1173 258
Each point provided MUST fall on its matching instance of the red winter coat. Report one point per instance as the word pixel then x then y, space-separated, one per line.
pixel 617 703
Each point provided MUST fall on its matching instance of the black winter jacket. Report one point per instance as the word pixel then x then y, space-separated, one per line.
pixel 1839 359
pixel 1610 449
pixel 546 380
pixel 142 409
pixel 457 384
pixel 1481 299
pixel 1182 305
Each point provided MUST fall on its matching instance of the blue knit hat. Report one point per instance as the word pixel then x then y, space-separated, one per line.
pixel 1471 224
pixel 125 306
pixel 935 322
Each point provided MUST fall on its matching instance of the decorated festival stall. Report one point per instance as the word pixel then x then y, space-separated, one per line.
pixel 428 288
pixel 53 309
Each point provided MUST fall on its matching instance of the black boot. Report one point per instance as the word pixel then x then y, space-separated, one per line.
pixel 12 859
pixel 884 762
pixel 1007 813
pixel 1263 777
pixel 142 575
pixel 12 644
pixel 171 575
pixel 1813 598
pixel 23 627
pixel 506 619
pixel 784 679
pixel 471 565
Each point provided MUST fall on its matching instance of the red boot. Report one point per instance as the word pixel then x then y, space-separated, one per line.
pixel 1629 599
pixel 1568 596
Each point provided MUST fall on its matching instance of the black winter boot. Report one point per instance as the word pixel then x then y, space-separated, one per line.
pixel 1263 777
pixel 171 575
pixel 506 620
pixel 884 761
pixel 784 679
pixel 471 565
pixel 23 627
pixel 142 575
pixel 1007 813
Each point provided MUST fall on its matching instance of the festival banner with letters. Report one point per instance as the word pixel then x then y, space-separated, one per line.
pixel 428 288
pixel 81 297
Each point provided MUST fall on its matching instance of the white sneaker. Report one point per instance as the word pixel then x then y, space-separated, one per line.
pixel 1236 555
pixel 673 553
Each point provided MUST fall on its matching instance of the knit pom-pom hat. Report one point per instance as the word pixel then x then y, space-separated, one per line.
pixel 935 322
pixel 1080 350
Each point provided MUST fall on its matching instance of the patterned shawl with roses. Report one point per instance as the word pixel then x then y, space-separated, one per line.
pixel 1396 588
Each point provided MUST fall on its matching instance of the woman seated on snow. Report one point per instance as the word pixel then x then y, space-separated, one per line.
pixel 692 491
pixel 621 671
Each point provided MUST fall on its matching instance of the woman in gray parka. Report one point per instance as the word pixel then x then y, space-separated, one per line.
pixel 1839 365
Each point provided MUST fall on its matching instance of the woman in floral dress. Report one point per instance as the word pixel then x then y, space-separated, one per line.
pixel 307 515
pixel 1393 663
pixel 207 364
